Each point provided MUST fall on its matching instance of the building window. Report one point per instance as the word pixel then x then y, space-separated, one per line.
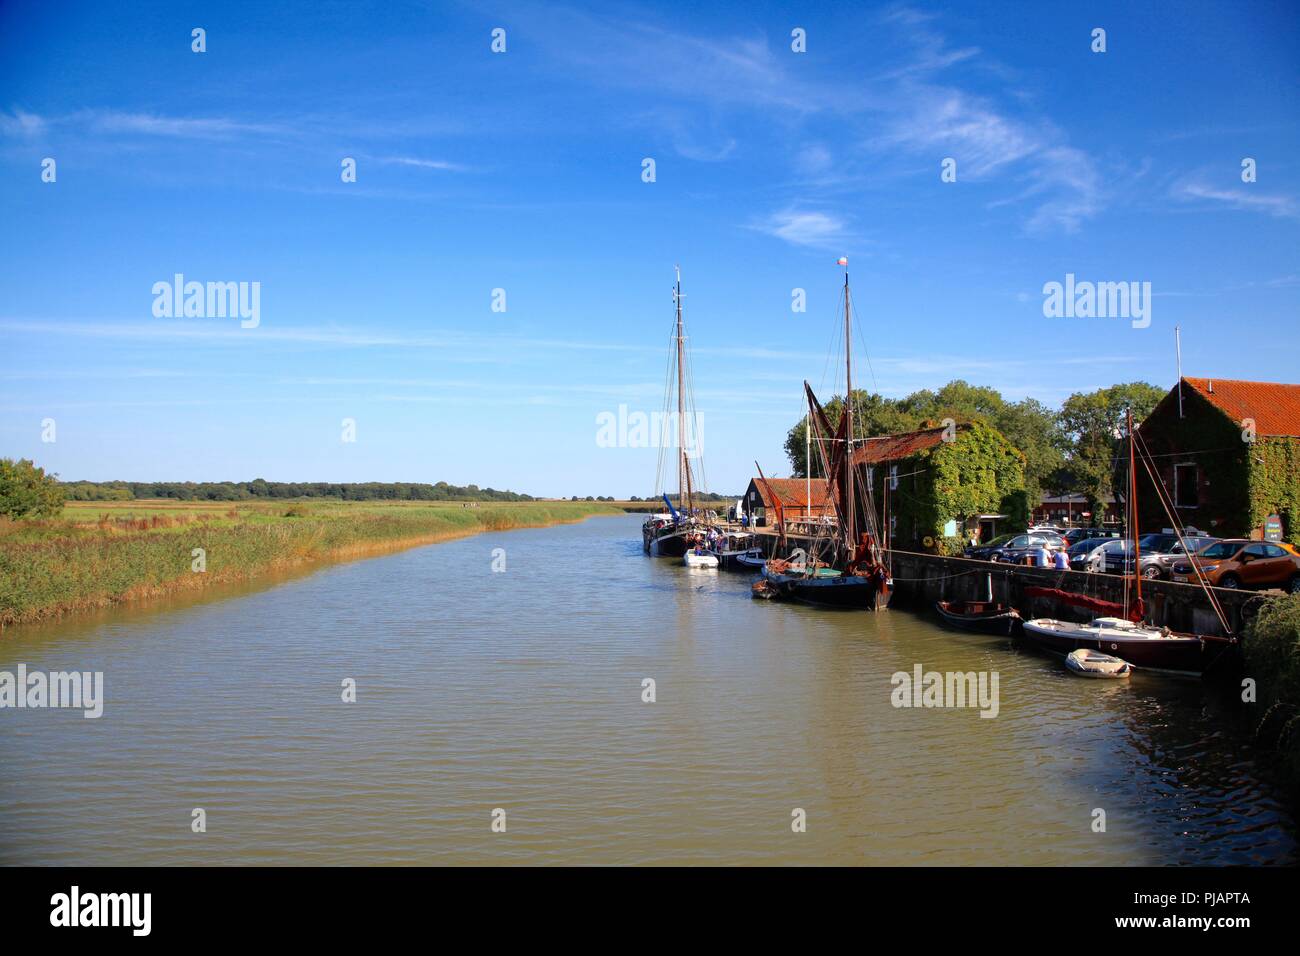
pixel 1185 486
pixel 871 475
pixel 893 477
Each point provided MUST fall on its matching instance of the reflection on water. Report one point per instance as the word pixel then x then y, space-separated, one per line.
pixel 522 690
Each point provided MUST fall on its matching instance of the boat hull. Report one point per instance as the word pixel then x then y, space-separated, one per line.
pixel 981 618
pixel 671 545
pixel 1182 656
pixel 741 560
pixel 841 591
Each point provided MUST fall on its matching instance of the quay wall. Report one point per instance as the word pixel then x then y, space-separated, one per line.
pixel 922 579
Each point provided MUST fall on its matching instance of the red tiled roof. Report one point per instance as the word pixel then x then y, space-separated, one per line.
pixel 1274 407
pixel 893 447
pixel 792 491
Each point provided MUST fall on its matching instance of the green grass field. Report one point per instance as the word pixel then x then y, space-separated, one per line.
pixel 100 553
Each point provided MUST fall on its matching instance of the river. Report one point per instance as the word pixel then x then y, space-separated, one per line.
pixel 522 690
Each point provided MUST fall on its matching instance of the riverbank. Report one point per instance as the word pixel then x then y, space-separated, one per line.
pixel 98 554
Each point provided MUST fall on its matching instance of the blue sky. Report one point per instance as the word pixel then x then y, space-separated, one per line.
pixel 523 171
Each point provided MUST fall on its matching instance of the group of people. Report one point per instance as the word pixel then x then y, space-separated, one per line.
pixel 1046 558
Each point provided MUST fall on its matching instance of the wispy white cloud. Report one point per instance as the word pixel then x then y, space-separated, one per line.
pixel 438 164
pixel 20 123
pixel 151 124
pixel 1246 199
pixel 803 227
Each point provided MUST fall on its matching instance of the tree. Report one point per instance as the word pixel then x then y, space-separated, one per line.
pixel 27 491
pixel 872 415
pixel 1029 425
pixel 1093 425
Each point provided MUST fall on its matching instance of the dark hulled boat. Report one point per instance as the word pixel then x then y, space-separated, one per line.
pixel 984 617
pixel 847 569
pixel 672 534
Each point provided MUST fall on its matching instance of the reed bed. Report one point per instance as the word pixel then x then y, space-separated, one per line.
pixel 97 556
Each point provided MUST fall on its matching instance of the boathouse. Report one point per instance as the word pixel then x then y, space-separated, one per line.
pixel 1072 510
pixel 1227 453
pixel 935 488
pixel 794 499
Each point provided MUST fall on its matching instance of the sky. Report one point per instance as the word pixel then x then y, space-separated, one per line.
pixel 524 171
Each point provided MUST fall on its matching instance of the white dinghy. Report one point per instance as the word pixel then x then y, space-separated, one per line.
pixel 1089 663
pixel 699 558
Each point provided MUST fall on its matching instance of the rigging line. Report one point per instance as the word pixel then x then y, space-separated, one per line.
pixel 1162 494
pixel 663 418
pixel 853 306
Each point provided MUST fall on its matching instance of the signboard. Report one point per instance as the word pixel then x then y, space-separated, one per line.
pixel 1273 528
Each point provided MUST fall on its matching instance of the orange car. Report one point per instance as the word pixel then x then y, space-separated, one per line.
pixel 1243 563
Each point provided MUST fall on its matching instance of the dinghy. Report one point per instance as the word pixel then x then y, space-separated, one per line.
pixel 699 558
pixel 1088 663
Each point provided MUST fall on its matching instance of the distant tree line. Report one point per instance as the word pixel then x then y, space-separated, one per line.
pixel 260 488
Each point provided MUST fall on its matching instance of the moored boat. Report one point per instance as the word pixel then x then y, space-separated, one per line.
pixel 847 568
pixel 1146 648
pixel 1088 663
pixel 672 533
pixel 985 617
pixel 700 558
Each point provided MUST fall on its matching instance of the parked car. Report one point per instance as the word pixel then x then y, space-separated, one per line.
pixel 1013 548
pixel 1075 535
pixel 1156 554
pixel 1243 563
pixel 1102 551
pixel 1088 554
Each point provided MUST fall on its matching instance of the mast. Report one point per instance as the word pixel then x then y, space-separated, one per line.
pixel 1178 352
pixel 807 461
pixel 685 494
pixel 1133 509
pixel 850 510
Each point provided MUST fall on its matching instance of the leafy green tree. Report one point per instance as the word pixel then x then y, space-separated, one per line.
pixel 27 491
pixel 1092 424
pixel 1029 425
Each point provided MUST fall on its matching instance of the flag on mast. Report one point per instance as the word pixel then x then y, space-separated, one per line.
pixel 842 261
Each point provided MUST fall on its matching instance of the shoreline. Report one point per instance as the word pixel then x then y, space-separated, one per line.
pixel 334 538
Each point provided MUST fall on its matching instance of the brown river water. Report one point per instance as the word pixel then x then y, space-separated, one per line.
pixel 522 690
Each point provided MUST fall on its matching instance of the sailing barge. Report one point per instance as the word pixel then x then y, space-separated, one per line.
pixel 847 567
pixel 672 533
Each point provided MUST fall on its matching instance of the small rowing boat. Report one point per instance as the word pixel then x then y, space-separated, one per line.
pixel 699 558
pixel 1087 663
pixel 986 617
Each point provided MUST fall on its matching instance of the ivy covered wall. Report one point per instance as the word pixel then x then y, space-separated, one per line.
pixel 979 472
pixel 1274 485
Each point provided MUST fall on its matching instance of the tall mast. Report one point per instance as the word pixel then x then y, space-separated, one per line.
pixel 807 461
pixel 850 511
pixel 1133 507
pixel 685 494
pixel 1178 353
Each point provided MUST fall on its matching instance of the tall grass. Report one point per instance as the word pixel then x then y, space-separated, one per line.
pixel 86 560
